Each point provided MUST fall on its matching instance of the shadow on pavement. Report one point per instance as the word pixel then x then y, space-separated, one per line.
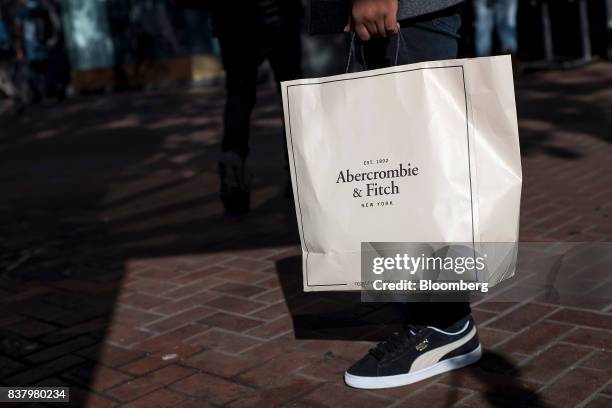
pixel 341 316
pixel 101 182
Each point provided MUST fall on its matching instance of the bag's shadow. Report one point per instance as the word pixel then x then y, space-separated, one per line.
pixel 333 315
pixel 342 316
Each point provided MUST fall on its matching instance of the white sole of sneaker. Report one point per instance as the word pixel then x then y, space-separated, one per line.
pixel 371 383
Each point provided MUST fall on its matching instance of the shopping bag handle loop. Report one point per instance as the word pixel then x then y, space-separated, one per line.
pixel 351 50
pixel 400 38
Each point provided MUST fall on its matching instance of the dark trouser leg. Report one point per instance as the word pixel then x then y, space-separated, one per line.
pixel 437 314
pixel 425 38
pixel 36 79
pixel 240 87
pixel 240 63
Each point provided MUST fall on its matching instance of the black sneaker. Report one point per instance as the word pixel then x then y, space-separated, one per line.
pixel 416 353
pixel 235 180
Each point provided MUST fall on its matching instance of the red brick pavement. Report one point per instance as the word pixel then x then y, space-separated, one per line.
pixel 121 279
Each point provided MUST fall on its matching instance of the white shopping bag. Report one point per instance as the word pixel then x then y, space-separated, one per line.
pixel 425 152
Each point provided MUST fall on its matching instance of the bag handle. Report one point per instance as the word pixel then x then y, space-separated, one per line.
pixel 400 38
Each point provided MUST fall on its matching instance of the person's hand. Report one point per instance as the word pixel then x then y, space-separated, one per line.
pixel 20 56
pixel 373 18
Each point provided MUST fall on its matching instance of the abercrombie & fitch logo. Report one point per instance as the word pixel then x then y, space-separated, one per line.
pixel 374 184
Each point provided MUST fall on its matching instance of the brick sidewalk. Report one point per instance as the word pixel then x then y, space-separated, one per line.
pixel 121 279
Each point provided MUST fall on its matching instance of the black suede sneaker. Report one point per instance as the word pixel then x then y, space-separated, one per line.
pixel 414 354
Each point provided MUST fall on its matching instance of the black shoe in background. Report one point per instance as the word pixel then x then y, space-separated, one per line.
pixel 235 180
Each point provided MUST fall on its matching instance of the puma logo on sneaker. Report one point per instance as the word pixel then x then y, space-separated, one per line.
pixel 414 354
pixel 422 345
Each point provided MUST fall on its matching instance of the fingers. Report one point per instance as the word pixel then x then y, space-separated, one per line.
pixel 362 32
pixel 391 24
pixel 349 25
pixel 376 29
pixel 367 29
pixel 360 29
pixel 380 28
pixel 371 27
pixel 373 18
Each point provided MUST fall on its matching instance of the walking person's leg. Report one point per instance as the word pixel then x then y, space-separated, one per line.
pixel 484 24
pixel 240 60
pixel 240 87
pixel 36 80
pixel 427 38
pixel 17 77
pixel 6 85
pixel 505 20
pixel 438 336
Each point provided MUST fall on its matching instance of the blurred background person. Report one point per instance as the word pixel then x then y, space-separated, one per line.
pixel 501 16
pixel 35 31
pixel 150 32
pixel 58 69
pixel 249 33
pixel 8 68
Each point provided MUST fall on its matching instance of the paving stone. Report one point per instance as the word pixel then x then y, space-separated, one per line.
pixel 96 377
pixel 151 286
pixel 186 303
pixel 109 355
pixel 281 325
pixel 590 337
pixel 328 368
pixel 223 341
pixel 160 398
pixel 221 364
pixel 143 301
pixel 279 393
pixel 42 371
pixel 133 389
pixel 31 328
pixel 180 319
pixel 167 342
pixel 145 364
pixel 169 374
pixel 334 395
pixel 575 387
pixel 192 288
pixel 436 396
pixel 583 318
pixel 275 369
pixel 239 289
pixel 552 362
pixel 537 338
pixel 234 304
pixel 521 318
pixel 601 360
pixel 231 322
pixel 214 389
pixel 9 366
pixel 60 349
pixel 600 402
